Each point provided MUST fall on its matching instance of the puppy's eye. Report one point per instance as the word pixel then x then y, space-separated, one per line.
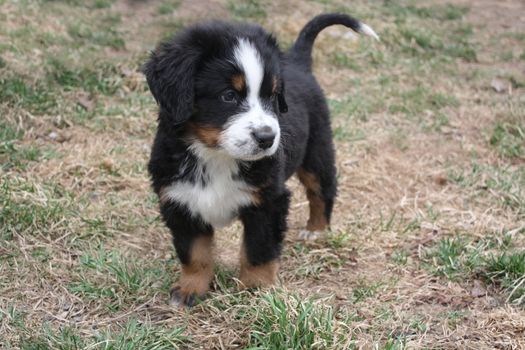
pixel 229 97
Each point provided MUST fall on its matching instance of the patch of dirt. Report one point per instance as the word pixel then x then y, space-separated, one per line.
pixel 494 16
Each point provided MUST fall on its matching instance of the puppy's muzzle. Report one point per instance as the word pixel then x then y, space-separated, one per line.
pixel 264 137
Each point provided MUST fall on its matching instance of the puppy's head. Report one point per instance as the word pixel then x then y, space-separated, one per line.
pixel 222 83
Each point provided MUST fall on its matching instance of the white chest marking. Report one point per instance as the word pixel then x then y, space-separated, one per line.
pixel 219 198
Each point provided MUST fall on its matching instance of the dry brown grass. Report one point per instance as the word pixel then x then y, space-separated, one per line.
pixel 82 248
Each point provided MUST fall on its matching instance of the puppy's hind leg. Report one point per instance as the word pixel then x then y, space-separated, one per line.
pixel 318 175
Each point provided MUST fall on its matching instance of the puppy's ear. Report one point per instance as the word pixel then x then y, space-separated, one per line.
pixel 169 72
pixel 283 106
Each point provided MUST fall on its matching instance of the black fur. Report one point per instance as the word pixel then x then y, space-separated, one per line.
pixel 187 75
pixel 302 49
pixel 264 229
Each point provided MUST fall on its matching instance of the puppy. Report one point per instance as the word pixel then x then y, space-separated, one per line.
pixel 237 118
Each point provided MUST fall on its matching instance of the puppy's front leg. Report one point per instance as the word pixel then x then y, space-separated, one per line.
pixel 264 229
pixel 193 242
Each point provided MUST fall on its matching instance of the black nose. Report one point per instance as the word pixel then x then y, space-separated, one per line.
pixel 264 137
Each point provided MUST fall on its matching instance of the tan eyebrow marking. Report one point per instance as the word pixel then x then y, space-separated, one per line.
pixel 239 82
pixel 274 85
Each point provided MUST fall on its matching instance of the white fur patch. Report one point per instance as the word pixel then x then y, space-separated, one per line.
pixel 249 59
pixel 366 30
pixel 306 235
pixel 237 138
pixel 217 201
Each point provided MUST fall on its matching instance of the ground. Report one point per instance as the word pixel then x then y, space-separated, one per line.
pixel 426 247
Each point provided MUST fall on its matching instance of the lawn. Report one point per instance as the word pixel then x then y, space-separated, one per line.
pixel 427 243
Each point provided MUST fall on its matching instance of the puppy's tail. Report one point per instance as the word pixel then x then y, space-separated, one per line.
pixel 301 52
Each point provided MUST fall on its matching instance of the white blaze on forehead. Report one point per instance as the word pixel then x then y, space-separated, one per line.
pixel 248 58
pixel 237 137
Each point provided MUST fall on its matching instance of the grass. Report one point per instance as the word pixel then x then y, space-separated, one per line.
pixel 430 170
pixel 449 258
pixel 415 101
pixel 427 44
pixel 125 279
pixel 251 9
pixel 30 208
pixel 441 12
pixel 17 92
pixel 18 157
pixel 400 257
pixel 167 8
pixel 103 80
pixel 8 136
pixel 498 263
pixel 502 184
pixel 359 107
pixel 92 4
pixel 105 34
pixel 131 335
pixel 508 271
pixel 293 323
pixel 364 291
pixel 509 139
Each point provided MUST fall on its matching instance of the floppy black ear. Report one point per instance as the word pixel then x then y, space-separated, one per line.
pixel 169 72
pixel 283 106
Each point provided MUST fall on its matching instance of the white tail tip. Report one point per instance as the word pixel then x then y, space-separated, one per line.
pixel 366 30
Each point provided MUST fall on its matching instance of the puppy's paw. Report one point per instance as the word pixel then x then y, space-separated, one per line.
pixel 263 275
pixel 307 235
pixel 182 299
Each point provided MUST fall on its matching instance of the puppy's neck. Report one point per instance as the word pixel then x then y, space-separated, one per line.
pixel 215 160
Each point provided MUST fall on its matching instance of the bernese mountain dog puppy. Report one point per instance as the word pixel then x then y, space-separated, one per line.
pixel 237 118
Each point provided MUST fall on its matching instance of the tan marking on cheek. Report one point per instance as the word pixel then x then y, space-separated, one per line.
pixel 256 197
pixel 196 276
pixel 317 220
pixel 257 276
pixel 238 82
pixel 208 135
pixel 274 85
pixel 163 195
